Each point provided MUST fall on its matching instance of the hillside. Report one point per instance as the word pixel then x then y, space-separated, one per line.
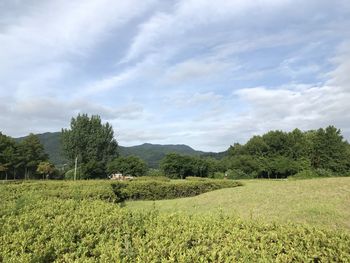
pixel 153 153
pixel 150 153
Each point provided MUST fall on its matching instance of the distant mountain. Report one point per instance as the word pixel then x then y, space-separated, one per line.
pixel 150 153
pixel 153 153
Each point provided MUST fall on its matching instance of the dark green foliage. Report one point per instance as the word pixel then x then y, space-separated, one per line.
pixel 20 160
pixel 157 190
pixel 329 151
pixel 8 156
pixel 278 154
pixel 130 165
pixel 181 166
pixel 31 153
pixel 52 145
pixel 91 142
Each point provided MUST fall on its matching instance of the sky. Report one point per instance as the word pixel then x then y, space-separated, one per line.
pixel 196 72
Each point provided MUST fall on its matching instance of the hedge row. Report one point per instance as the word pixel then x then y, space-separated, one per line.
pixel 79 190
pixel 57 230
pixel 157 190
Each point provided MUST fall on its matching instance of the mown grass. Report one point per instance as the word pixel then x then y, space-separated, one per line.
pixel 319 202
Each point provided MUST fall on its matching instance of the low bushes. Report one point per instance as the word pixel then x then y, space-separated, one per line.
pixel 93 190
pixel 157 190
pixel 313 173
pixel 57 230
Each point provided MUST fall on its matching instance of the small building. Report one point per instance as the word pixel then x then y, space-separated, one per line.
pixel 120 177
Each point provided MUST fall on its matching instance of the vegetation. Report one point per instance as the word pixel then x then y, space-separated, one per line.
pixel 52 146
pixel 318 202
pixel 160 189
pixel 38 224
pixel 20 160
pixel 130 165
pixel 278 154
pixel 178 166
pixel 152 154
pixel 275 154
pixel 45 169
pixel 90 143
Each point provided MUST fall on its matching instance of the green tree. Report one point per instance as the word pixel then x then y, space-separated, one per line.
pixel 179 166
pixel 31 153
pixel 130 165
pixel 7 154
pixel 45 169
pixel 91 142
pixel 330 150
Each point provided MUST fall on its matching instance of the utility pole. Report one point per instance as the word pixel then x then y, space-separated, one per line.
pixel 75 168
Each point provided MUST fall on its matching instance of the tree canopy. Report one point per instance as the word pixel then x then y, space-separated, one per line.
pixel 130 165
pixel 91 142
pixel 20 160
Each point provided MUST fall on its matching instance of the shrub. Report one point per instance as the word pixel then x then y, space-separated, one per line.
pixel 194 178
pixel 153 178
pixel 157 190
pixel 218 175
pixel 312 173
pixel 96 231
pixel 155 173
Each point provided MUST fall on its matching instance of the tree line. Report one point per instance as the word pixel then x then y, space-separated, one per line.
pixel 276 154
pixel 92 152
pixel 23 160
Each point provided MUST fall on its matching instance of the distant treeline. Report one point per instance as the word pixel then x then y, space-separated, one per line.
pixel 276 154
pixel 23 160
pixel 91 144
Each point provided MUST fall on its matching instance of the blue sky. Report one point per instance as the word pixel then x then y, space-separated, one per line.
pixel 196 72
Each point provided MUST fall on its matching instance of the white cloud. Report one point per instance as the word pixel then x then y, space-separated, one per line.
pixel 193 100
pixel 52 114
pixel 193 69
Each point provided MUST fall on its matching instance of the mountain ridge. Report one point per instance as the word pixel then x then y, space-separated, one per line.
pixel 150 153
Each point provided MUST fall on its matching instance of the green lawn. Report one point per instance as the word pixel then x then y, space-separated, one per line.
pixel 321 202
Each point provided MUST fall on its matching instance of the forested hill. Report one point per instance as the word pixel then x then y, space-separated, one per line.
pixel 151 153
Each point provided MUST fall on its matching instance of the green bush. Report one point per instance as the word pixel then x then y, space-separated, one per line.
pixel 155 173
pixel 57 230
pixel 157 190
pixel 78 190
pixel 218 175
pixel 312 173
pixel 152 178
pixel 194 178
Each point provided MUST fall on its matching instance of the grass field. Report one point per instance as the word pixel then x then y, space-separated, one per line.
pixel 319 202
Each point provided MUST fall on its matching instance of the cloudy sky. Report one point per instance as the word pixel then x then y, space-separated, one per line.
pixel 197 72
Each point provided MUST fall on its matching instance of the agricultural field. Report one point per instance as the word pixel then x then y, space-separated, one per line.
pixel 85 221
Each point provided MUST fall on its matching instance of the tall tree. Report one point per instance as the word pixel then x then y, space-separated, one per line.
pixel 31 153
pixel 90 141
pixel 330 150
pixel 7 155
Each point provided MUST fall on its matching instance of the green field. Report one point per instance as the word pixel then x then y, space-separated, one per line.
pixel 262 221
pixel 320 202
